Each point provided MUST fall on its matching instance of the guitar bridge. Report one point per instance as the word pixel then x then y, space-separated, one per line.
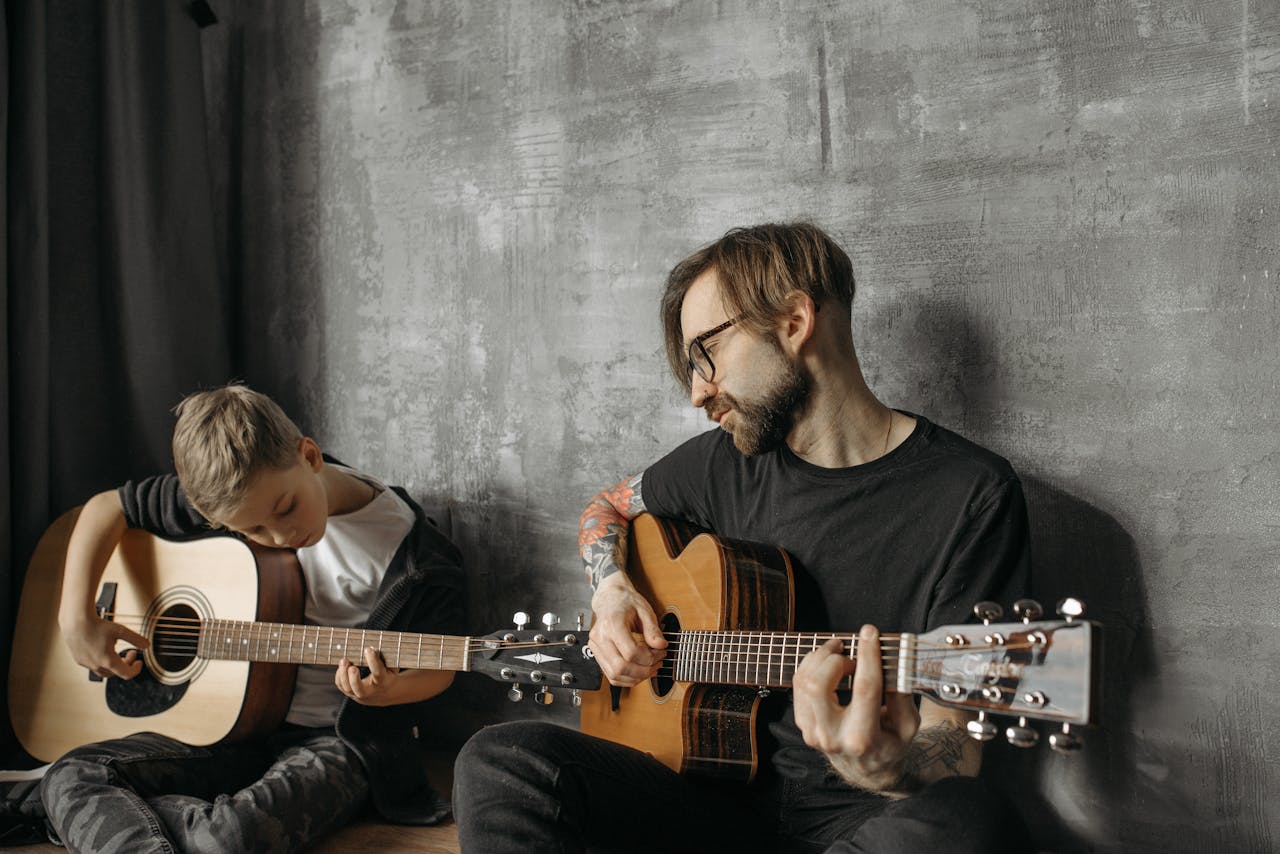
pixel 105 605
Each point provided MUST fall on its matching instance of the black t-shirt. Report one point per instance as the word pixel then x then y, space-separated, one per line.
pixel 907 542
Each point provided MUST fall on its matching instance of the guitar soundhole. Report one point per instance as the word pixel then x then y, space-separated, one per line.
pixel 174 638
pixel 174 623
pixel 665 681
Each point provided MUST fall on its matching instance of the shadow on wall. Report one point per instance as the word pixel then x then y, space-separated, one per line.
pixel 1070 800
pixel 512 564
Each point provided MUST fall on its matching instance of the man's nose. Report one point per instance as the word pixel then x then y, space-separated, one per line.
pixel 700 390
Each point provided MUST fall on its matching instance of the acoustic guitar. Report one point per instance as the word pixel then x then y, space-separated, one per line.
pixel 222 616
pixel 726 609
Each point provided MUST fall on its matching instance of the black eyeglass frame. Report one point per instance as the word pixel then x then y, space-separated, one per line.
pixel 697 347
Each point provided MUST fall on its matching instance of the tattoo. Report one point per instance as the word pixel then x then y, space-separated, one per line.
pixel 603 529
pixel 935 753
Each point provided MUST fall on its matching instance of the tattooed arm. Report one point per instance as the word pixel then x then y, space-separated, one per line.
pixel 604 526
pixel 879 741
pixel 619 611
pixel 942 748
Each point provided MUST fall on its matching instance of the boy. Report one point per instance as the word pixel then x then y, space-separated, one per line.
pixel 369 558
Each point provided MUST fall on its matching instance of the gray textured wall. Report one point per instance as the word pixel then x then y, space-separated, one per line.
pixel 1063 217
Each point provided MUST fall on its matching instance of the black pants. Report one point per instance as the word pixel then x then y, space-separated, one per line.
pixel 149 794
pixel 542 788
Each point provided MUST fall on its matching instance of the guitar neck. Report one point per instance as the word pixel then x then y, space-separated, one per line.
pixel 236 640
pixel 770 659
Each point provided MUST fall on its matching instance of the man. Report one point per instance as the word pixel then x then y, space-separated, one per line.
pixel 891 521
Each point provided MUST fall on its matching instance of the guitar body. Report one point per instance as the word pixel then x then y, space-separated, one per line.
pixel 695 581
pixel 726 609
pixel 55 705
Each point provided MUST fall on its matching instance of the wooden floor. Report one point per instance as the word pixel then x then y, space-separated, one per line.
pixel 374 837
pixel 371 836
pixel 368 835
pixel 359 838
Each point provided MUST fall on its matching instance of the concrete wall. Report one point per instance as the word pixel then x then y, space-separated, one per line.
pixel 457 215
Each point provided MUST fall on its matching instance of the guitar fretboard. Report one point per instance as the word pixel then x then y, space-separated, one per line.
pixel 245 641
pixel 767 659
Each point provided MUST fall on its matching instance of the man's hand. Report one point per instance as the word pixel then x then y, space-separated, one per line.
pixel 866 741
pixel 379 688
pixel 619 611
pixel 92 641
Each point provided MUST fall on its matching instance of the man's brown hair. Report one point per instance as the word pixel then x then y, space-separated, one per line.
pixel 758 267
pixel 223 439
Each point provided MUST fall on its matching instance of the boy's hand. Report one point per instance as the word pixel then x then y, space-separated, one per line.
pixel 92 641
pixel 376 689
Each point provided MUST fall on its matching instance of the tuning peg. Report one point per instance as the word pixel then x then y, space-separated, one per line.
pixel 1028 609
pixel 1021 735
pixel 577 697
pixel 982 729
pixel 988 611
pixel 515 695
pixel 1070 608
pixel 521 619
pixel 550 620
pixel 580 624
pixel 544 697
pixel 1065 741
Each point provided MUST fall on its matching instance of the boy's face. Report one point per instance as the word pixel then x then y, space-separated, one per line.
pixel 285 508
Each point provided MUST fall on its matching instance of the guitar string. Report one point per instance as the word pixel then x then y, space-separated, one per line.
pixel 717 636
pixel 778 660
pixel 739 643
pixel 712 659
pixel 743 656
pixel 182 635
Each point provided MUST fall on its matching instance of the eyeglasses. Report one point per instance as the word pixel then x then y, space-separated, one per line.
pixel 699 359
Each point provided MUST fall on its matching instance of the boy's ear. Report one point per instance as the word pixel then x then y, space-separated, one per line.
pixel 311 453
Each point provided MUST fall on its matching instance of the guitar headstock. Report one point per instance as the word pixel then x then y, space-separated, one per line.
pixel 1033 669
pixel 546 658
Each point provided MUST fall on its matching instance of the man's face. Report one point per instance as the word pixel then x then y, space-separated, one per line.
pixel 284 508
pixel 756 391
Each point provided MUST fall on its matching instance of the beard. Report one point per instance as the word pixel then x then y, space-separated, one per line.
pixel 762 425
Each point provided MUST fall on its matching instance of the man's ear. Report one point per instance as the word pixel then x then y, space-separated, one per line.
pixel 799 322
pixel 311 454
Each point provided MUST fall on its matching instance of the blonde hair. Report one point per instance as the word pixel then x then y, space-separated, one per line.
pixel 758 267
pixel 223 439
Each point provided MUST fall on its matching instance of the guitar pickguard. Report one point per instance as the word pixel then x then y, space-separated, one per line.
pixel 142 696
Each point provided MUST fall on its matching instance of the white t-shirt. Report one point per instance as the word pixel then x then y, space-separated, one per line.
pixel 342 573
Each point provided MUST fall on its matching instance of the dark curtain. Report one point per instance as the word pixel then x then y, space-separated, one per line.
pixel 116 300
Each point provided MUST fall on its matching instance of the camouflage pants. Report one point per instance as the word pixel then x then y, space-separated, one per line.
pixel 150 793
